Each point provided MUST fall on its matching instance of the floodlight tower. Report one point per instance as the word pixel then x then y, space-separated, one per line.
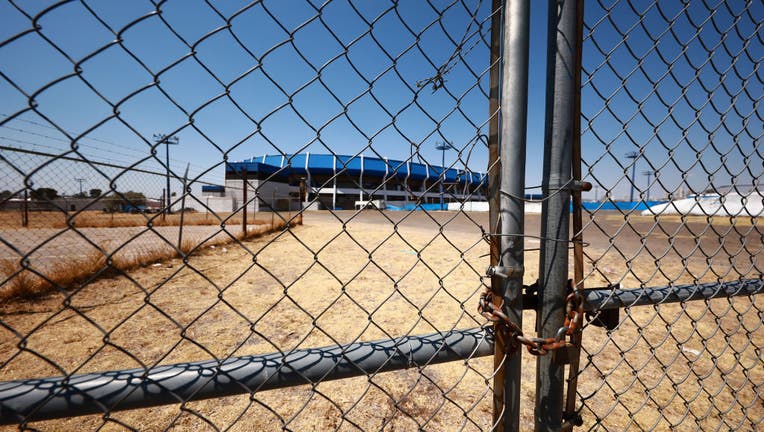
pixel 162 138
pixel 443 146
pixel 649 174
pixel 633 156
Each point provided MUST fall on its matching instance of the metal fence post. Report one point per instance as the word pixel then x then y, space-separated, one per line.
pixel 513 30
pixel 555 216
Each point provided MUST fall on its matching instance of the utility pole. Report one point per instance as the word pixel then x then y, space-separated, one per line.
pixel 649 174
pixel 164 139
pixel 80 181
pixel 633 156
pixel 443 146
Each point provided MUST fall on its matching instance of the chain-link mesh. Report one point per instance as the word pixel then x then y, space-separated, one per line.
pixel 185 182
pixel 671 134
pixel 110 110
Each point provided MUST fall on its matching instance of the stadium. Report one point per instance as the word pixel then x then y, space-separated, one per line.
pixel 341 182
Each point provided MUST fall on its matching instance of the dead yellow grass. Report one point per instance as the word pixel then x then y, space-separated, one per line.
pixel 665 365
pixel 20 282
pixel 97 219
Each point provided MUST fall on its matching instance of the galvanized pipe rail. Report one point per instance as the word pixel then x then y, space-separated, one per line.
pixel 605 299
pixel 95 393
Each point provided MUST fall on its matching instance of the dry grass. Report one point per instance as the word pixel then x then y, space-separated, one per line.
pixel 204 307
pixel 20 282
pixel 97 219
pixel 25 283
pixel 664 365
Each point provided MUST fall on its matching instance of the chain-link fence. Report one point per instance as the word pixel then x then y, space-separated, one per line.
pixel 671 134
pixel 277 215
pixel 201 195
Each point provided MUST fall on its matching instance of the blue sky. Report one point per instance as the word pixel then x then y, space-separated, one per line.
pixel 242 79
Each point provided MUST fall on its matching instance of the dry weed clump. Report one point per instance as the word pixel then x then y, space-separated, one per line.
pixel 92 219
pixel 19 282
pixel 261 230
pixel 98 219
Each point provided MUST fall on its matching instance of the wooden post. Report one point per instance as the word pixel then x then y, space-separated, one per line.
pixel 303 198
pixel 166 203
pixel 25 210
pixel 244 199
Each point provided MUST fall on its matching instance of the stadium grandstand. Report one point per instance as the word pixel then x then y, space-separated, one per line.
pixel 342 182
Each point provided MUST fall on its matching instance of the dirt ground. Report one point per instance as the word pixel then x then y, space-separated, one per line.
pixel 346 278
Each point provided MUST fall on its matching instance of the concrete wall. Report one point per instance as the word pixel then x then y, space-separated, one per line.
pixel 215 204
pixel 476 206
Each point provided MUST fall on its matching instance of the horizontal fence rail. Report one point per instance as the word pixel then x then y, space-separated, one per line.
pixel 138 388
pixel 605 299
pixel 48 398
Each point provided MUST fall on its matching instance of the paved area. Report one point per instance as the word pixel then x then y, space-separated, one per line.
pixel 631 239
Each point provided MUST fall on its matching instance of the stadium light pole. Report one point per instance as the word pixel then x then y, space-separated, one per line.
pixel 633 156
pixel 162 138
pixel 443 146
pixel 80 181
pixel 649 174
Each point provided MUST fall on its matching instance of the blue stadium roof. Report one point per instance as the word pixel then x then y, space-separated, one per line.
pixel 301 163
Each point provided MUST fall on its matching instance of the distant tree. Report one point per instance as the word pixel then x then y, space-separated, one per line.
pixel 4 195
pixel 95 193
pixel 135 198
pixel 40 194
pixel 80 195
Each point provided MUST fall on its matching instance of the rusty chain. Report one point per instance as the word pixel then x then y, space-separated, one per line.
pixel 513 335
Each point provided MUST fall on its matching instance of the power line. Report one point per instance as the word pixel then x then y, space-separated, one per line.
pixel 101 140
pixel 137 153
pixel 95 162
pixel 36 144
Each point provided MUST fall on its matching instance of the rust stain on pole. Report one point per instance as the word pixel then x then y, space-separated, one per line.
pixel 493 198
pixel 578 237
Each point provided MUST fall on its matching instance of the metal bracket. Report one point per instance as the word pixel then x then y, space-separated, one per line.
pixel 606 318
pixel 570 420
pixel 563 355
pixel 505 272
pixel 578 185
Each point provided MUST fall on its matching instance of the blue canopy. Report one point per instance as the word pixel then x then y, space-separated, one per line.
pixel 302 163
